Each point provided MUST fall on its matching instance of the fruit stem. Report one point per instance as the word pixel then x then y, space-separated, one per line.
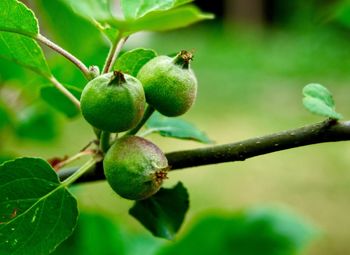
pixel 183 59
pixel 83 68
pixel 117 78
pixel 78 173
pixel 105 141
pixel 114 52
pixel 97 132
pixel 148 113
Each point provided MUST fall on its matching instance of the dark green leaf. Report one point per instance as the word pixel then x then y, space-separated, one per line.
pixel 163 20
pixel 37 123
pixel 16 20
pixel 252 232
pixel 112 239
pixel 164 212
pixel 5 118
pixel 94 234
pixel 318 100
pixel 132 61
pixel 6 157
pixel 137 8
pixel 341 13
pixel 59 101
pixel 175 127
pixel 37 211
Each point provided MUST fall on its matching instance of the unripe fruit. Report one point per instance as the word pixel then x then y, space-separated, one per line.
pixel 170 84
pixel 135 168
pixel 113 102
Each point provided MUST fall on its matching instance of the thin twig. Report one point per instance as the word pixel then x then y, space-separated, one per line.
pixel 81 171
pixel 89 144
pixel 74 158
pixel 66 54
pixel 327 131
pixel 114 52
pixel 148 113
pixel 64 91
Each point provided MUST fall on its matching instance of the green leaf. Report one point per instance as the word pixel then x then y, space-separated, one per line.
pixel 341 12
pixel 11 72
pixel 98 13
pixel 5 118
pixel 37 211
pixel 134 9
pixel 176 128
pixel 82 242
pixel 91 9
pixel 251 232
pixel 163 20
pixel 318 107
pixel 37 123
pixel 60 102
pixel 164 212
pixel 153 15
pixel 16 17
pixel 114 240
pixel 5 156
pixel 318 100
pixel 132 61
pixel 57 16
pixel 23 51
pixel 17 22
pixel 318 91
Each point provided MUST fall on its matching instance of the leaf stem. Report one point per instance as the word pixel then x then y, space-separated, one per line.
pixel 83 68
pixel 79 172
pixel 64 91
pixel 148 113
pixel 74 158
pixel 114 52
pixel 105 141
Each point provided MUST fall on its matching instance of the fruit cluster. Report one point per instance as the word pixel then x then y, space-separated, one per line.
pixel 115 102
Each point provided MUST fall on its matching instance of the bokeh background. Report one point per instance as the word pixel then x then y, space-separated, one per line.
pixel 252 62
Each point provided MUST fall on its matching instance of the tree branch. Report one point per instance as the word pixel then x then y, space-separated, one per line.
pixel 327 131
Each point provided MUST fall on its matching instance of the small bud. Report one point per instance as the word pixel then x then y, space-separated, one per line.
pixel 94 71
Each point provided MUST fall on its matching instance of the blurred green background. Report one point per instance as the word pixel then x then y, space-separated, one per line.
pixel 251 70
